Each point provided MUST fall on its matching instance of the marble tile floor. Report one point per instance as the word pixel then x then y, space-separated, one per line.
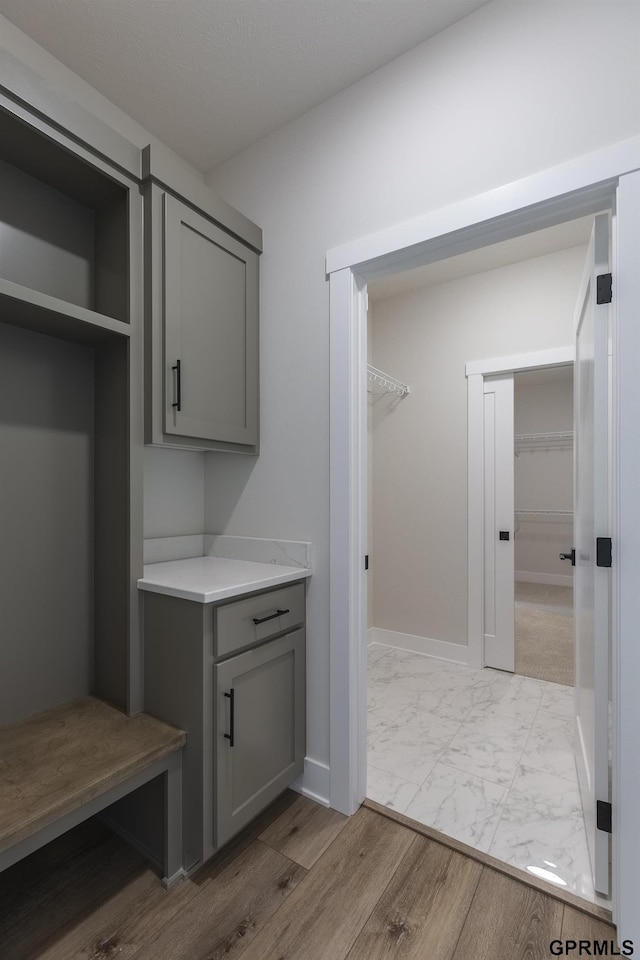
pixel 483 756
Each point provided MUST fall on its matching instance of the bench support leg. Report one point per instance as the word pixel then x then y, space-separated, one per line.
pixel 173 870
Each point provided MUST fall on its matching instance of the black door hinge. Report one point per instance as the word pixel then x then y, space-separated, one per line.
pixel 366 561
pixel 603 551
pixel 603 816
pixel 604 288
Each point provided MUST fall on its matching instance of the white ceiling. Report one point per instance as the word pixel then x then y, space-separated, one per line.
pixel 210 77
pixel 562 237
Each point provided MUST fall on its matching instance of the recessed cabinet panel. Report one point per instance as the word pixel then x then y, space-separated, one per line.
pixel 260 729
pixel 211 330
pixel 46 498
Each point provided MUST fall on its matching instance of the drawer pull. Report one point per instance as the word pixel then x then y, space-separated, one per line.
pixel 278 613
pixel 229 736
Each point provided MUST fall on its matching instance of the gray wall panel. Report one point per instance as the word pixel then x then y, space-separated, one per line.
pixel 46 238
pixel 46 521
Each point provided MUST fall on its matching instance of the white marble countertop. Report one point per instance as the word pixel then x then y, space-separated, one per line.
pixel 207 579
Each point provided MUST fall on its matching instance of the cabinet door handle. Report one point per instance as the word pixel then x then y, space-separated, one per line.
pixel 178 394
pixel 229 736
pixel 278 613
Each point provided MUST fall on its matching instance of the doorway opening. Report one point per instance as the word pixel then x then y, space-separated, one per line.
pixel 482 755
pixel 543 529
pixel 608 179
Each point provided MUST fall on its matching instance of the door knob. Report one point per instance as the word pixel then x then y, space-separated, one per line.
pixel 569 556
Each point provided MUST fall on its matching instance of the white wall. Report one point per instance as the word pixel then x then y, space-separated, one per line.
pixel 174 480
pixel 173 493
pixel 420 442
pixel 508 91
pixel 543 479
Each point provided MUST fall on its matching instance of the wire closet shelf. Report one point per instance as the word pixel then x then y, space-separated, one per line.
pixel 557 516
pixel 549 441
pixel 380 382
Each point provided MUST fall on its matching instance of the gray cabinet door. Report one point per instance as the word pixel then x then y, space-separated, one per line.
pixel 211 330
pixel 260 701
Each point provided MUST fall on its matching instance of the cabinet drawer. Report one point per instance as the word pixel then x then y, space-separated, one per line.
pixel 254 619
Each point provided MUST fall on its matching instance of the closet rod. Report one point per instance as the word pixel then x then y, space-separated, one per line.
pixel 388 383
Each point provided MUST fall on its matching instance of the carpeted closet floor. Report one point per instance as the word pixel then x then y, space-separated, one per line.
pixel 544 632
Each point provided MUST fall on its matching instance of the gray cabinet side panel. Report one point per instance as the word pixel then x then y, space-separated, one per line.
pixel 111 560
pixel 153 317
pixel 136 441
pixel 111 279
pixel 174 692
pixel 46 521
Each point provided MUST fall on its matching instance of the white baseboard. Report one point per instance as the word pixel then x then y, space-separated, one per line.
pixel 440 649
pixel 315 782
pixel 552 579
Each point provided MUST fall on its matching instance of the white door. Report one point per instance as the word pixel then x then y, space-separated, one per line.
pixel 591 521
pixel 499 647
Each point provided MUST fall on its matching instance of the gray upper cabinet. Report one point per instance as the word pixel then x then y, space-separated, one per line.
pixel 211 330
pixel 202 322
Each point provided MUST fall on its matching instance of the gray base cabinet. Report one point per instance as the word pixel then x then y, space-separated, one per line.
pixel 233 676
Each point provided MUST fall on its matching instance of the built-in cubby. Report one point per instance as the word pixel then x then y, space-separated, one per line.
pixel 63 225
pixel 70 421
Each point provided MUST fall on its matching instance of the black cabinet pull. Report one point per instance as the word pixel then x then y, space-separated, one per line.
pixel 178 402
pixel 278 613
pixel 231 697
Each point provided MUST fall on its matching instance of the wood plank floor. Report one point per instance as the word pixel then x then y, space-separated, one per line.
pixel 300 883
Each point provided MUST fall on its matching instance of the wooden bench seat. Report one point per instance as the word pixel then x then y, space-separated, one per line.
pixel 62 766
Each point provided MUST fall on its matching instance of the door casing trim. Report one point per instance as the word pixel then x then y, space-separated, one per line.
pixel 606 179
pixel 476 371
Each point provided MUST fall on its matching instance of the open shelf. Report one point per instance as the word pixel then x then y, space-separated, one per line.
pixel 41 313
pixel 63 223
